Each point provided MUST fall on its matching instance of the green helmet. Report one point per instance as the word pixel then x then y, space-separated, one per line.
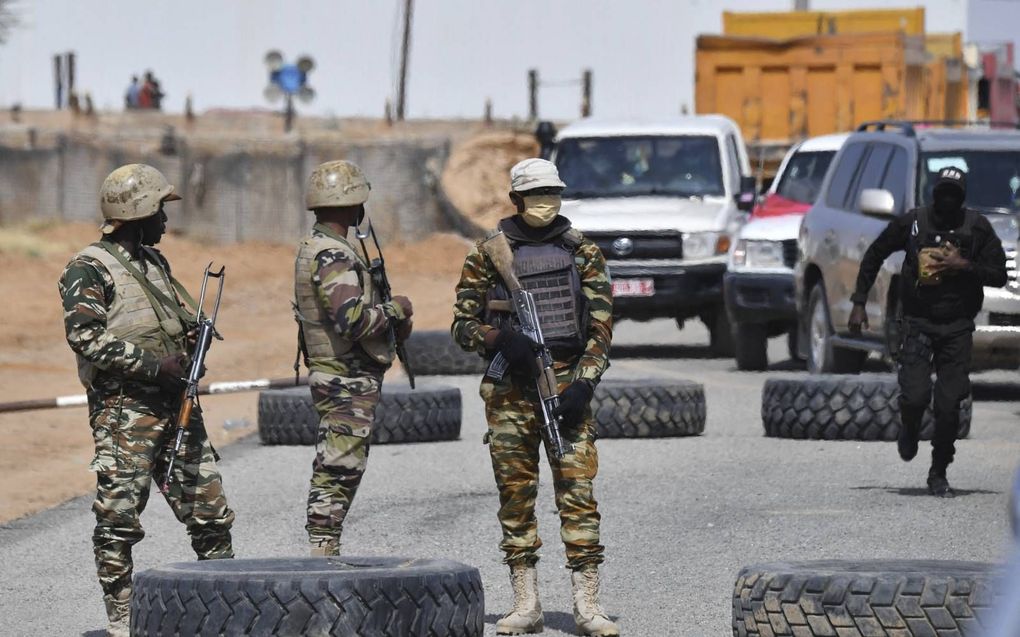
pixel 133 192
pixel 336 183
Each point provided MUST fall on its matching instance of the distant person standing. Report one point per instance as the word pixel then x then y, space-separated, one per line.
pixel 131 97
pixel 952 253
pixel 151 95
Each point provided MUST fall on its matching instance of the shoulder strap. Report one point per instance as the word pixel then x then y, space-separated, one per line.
pixel 497 248
pixel 156 296
pixel 170 280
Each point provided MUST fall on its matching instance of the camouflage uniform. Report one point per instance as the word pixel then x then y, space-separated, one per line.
pixel 132 417
pixel 344 331
pixel 510 409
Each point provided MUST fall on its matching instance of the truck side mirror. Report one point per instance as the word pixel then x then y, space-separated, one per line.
pixel 877 202
pixel 748 194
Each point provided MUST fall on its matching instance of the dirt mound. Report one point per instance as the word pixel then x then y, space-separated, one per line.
pixel 476 178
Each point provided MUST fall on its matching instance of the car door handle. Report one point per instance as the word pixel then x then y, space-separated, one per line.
pixel 830 236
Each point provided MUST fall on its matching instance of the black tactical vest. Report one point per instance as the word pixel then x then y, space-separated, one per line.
pixel 549 272
pixel 958 296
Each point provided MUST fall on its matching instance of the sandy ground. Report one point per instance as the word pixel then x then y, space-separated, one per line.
pixel 44 454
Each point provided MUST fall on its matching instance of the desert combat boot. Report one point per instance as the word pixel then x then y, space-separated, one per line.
pixel 118 610
pixel 326 548
pixel 588 614
pixel 525 618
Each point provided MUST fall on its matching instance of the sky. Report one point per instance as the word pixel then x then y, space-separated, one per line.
pixel 463 52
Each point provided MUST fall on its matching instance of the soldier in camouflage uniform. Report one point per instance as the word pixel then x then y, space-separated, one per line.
pixel 567 273
pixel 344 336
pixel 125 321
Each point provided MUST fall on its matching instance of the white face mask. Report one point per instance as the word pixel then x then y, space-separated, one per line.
pixel 540 210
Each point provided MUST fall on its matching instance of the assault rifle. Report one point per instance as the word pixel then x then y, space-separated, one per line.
pixel 377 270
pixel 522 306
pixel 189 398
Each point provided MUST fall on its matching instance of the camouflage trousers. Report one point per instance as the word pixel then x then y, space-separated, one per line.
pixel 130 452
pixel 346 407
pixel 514 439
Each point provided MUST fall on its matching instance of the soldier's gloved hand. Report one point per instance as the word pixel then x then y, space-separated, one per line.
pixel 518 350
pixel 573 401
pixel 405 306
pixel 171 374
pixel 858 319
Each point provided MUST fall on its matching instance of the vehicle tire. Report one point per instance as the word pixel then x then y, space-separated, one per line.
pixel 720 334
pixel 823 356
pixel 859 599
pixel 649 408
pixel 837 407
pixel 377 596
pixel 288 417
pixel 751 345
pixel 433 352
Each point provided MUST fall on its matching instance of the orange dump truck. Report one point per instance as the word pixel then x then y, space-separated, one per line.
pixel 814 73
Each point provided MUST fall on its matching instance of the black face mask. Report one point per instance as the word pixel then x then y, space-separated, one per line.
pixel 947 206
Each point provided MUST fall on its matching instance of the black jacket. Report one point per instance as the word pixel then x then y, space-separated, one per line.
pixel 960 294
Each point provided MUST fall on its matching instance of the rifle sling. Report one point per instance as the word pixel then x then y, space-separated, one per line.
pixel 497 248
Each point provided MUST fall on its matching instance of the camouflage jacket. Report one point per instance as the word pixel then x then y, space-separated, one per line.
pixel 479 275
pixel 336 279
pixel 126 372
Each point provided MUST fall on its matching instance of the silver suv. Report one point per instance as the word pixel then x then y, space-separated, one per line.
pixel 884 170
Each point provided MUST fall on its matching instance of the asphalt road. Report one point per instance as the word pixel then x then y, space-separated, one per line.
pixel 680 516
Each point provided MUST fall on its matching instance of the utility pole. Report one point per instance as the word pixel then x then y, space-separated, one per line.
pixel 404 46
pixel 801 5
pixel 532 95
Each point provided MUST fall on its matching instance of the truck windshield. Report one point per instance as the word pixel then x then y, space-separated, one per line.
pixel 993 177
pixel 802 178
pixel 684 166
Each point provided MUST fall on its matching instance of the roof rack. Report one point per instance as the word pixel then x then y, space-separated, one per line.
pixel 907 127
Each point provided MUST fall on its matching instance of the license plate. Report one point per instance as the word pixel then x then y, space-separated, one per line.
pixel 633 287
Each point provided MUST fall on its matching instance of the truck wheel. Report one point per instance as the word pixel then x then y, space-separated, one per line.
pixel 377 597
pixel 433 352
pixel 648 408
pixel 823 356
pixel 288 417
pixel 751 344
pixel 720 334
pixel 878 597
pixel 837 407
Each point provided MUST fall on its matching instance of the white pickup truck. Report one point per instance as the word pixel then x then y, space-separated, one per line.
pixel 662 200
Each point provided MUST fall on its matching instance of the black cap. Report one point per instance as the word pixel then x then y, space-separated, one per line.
pixel 951 176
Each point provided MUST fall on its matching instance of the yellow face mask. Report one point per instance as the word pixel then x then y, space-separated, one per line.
pixel 540 210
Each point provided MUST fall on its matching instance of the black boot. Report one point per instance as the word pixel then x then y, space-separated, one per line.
pixel 910 431
pixel 938 486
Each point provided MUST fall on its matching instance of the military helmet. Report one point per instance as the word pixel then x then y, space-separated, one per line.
pixel 336 183
pixel 133 192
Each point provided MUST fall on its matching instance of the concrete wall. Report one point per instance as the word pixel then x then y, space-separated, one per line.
pixel 254 192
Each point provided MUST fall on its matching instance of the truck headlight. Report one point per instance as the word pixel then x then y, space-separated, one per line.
pixel 701 245
pixel 758 254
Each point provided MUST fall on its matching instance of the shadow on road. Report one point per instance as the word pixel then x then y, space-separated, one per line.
pixel 995 392
pixel 94 633
pixel 556 620
pixel 919 491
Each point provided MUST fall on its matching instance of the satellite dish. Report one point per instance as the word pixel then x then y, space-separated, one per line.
pixel 274 60
pixel 273 93
pixel 306 94
pixel 305 64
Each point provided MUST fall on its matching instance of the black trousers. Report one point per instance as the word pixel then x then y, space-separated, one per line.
pixel 947 348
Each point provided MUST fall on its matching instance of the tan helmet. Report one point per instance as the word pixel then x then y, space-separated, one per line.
pixel 336 183
pixel 133 192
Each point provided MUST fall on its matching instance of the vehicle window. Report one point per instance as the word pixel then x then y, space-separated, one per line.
pixel 873 171
pixel 685 166
pixel 846 169
pixel 802 178
pixel 993 177
pixel 895 180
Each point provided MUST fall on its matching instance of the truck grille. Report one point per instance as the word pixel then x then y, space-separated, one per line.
pixel 638 245
pixel 1003 320
pixel 790 252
